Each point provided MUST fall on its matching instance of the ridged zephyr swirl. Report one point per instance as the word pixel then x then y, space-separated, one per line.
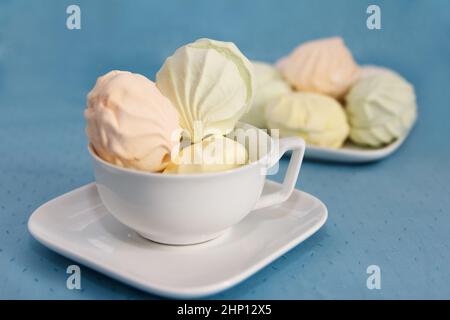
pixel 212 154
pixel 211 85
pixel 318 119
pixel 269 84
pixel 130 123
pixel 380 109
pixel 324 66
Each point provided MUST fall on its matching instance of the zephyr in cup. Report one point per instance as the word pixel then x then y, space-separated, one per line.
pixel 183 209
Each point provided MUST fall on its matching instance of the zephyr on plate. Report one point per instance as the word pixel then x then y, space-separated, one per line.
pixel 78 226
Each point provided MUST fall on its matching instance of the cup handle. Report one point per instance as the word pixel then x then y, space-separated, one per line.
pixel 297 145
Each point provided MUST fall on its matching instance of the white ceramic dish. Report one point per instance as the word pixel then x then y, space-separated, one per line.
pixel 78 226
pixel 193 208
pixel 351 153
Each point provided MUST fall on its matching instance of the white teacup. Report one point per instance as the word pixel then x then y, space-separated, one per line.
pixel 182 209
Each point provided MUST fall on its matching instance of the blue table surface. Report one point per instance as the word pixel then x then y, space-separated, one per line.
pixel 393 213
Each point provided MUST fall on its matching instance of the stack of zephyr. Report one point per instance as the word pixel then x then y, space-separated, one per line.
pixel 200 93
pixel 319 92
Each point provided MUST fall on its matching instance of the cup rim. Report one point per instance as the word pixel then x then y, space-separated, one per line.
pixel 160 175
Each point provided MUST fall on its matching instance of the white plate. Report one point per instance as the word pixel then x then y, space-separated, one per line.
pixel 351 153
pixel 78 226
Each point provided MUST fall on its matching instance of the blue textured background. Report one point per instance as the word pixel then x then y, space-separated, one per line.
pixel 394 213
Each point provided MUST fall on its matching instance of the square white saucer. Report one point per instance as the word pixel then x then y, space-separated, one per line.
pixel 78 226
